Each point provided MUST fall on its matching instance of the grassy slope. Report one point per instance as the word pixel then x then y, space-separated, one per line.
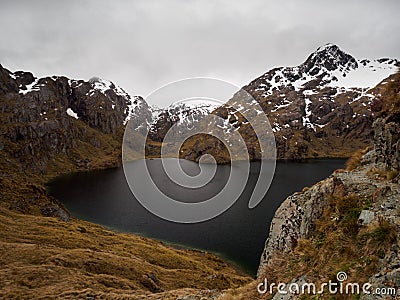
pixel 45 257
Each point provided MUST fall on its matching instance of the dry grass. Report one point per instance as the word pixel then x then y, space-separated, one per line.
pixel 392 174
pixel 246 292
pixel 355 160
pixel 382 174
pixel 47 257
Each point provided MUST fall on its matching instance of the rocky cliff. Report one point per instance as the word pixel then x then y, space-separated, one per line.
pixel 349 222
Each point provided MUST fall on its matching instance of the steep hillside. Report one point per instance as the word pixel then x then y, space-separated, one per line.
pixel 45 117
pixel 53 125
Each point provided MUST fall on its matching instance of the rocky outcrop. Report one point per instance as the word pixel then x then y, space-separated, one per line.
pixel 295 218
pixel 387 125
pixel 387 141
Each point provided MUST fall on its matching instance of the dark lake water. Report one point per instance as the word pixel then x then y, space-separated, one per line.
pixel 238 234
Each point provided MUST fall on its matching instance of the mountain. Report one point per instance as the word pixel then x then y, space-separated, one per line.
pixel 182 115
pixel 320 108
pixel 53 125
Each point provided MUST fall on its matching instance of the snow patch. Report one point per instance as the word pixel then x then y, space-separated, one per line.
pixel 34 86
pixel 103 86
pixel 71 113
pixel 365 76
pixel 306 118
pixel 133 108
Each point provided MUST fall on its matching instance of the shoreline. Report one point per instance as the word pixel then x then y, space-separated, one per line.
pixel 239 266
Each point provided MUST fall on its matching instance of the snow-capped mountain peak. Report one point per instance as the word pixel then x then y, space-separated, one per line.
pixel 327 66
pixel 327 96
pixel 328 58
pixel 204 107
pixel 184 115
pixel 103 86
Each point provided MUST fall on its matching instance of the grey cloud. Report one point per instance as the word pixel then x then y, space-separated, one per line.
pixel 142 45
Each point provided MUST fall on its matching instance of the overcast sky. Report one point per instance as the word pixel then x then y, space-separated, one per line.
pixel 142 45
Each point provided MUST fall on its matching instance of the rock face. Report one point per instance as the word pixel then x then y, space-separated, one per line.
pixel 387 126
pixel 376 178
pixel 44 117
pixel 320 108
pixel 387 141
pixel 295 218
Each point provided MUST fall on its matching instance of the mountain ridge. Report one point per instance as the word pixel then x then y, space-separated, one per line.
pixel 310 116
pixel 303 104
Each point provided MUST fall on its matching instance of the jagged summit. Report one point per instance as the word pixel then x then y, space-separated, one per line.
pixel 329 57
pixel 328 48
pixel 103 86
pixel 327 66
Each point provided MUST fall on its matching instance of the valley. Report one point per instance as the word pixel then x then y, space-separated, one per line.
pixel 330 106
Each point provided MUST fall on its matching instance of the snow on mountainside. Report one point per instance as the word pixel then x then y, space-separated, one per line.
pixel 319 108
pixel 184 115
pixel 330 66
pixel 136 106
pixel 181 111
pixel 145 117
pixel 316 109
pixel 328 75
pixel 104 85
pixel 98 100
pixel 368 73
